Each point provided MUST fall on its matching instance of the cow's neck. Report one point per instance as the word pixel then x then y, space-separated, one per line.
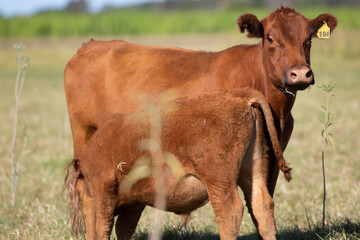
pixel 280 101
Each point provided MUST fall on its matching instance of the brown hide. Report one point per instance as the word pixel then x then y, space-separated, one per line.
pixel 99 77
pixel 221 142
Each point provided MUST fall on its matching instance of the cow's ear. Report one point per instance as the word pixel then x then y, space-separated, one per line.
pixel 316 23
pixel 252 24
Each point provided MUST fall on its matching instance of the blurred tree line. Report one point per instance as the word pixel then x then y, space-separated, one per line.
pixel 82 5
pixel 221 4
pixel 76 6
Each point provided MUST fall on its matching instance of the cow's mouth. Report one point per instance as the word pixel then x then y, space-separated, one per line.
pixel 291 89
pixel 298 86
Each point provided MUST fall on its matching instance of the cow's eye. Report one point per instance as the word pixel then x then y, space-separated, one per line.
pixel 269 39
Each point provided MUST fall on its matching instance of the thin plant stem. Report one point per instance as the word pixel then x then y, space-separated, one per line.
pixel 19 83
pixel 326 136
pixel 324 183
pixel 13 142
pixel 323 163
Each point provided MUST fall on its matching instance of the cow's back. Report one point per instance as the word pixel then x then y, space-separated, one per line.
pixel 102 74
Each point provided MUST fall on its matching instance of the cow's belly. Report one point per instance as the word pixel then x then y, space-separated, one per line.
pixel 187 195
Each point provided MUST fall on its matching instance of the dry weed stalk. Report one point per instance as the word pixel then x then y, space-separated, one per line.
pixel 23 63
pixel 153 112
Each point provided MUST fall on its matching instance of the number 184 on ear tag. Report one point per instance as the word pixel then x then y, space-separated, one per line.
pixel 324 31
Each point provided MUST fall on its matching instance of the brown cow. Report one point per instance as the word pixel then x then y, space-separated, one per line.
pixel 99 77
pixel 221 142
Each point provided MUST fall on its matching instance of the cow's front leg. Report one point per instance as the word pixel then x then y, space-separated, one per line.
pixel 287 131
pixel 127 221
pixel 284 140
pixel 227 206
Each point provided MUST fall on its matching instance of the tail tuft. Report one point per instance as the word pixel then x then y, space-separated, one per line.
pixel 72 177
pixel 286 170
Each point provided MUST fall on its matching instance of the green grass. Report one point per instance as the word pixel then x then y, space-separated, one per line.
pixel 40 209
pixel 135 21
pixel 341 230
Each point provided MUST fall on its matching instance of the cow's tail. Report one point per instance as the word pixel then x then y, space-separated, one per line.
pixel 259 99
pixel 72 177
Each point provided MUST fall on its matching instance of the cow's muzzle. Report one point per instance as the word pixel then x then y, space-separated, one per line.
pixel 299 77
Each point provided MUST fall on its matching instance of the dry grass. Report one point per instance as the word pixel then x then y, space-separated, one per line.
pixel 40 209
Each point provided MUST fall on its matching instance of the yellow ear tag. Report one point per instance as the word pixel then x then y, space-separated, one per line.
pixel 324 31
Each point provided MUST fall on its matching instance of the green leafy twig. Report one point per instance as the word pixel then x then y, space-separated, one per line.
pixel 326 137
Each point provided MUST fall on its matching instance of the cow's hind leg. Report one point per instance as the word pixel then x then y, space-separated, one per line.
pixel 263 210
pixel 255 185
pixel 228 208
pixel 127 221
pixel 260 206
pixel 104 195
pixel 81 135
pixel 259 202
pixel 87 209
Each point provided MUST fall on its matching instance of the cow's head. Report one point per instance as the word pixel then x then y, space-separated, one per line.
pixel 286 41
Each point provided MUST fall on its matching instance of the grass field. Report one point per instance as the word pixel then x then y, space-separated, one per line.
pixel 140 22
pixel 40 209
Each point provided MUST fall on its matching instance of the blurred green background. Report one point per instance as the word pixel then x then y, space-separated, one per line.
pixel 169 17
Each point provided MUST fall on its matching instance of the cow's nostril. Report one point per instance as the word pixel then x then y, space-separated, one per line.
pixel 293 74
pixel 309 74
